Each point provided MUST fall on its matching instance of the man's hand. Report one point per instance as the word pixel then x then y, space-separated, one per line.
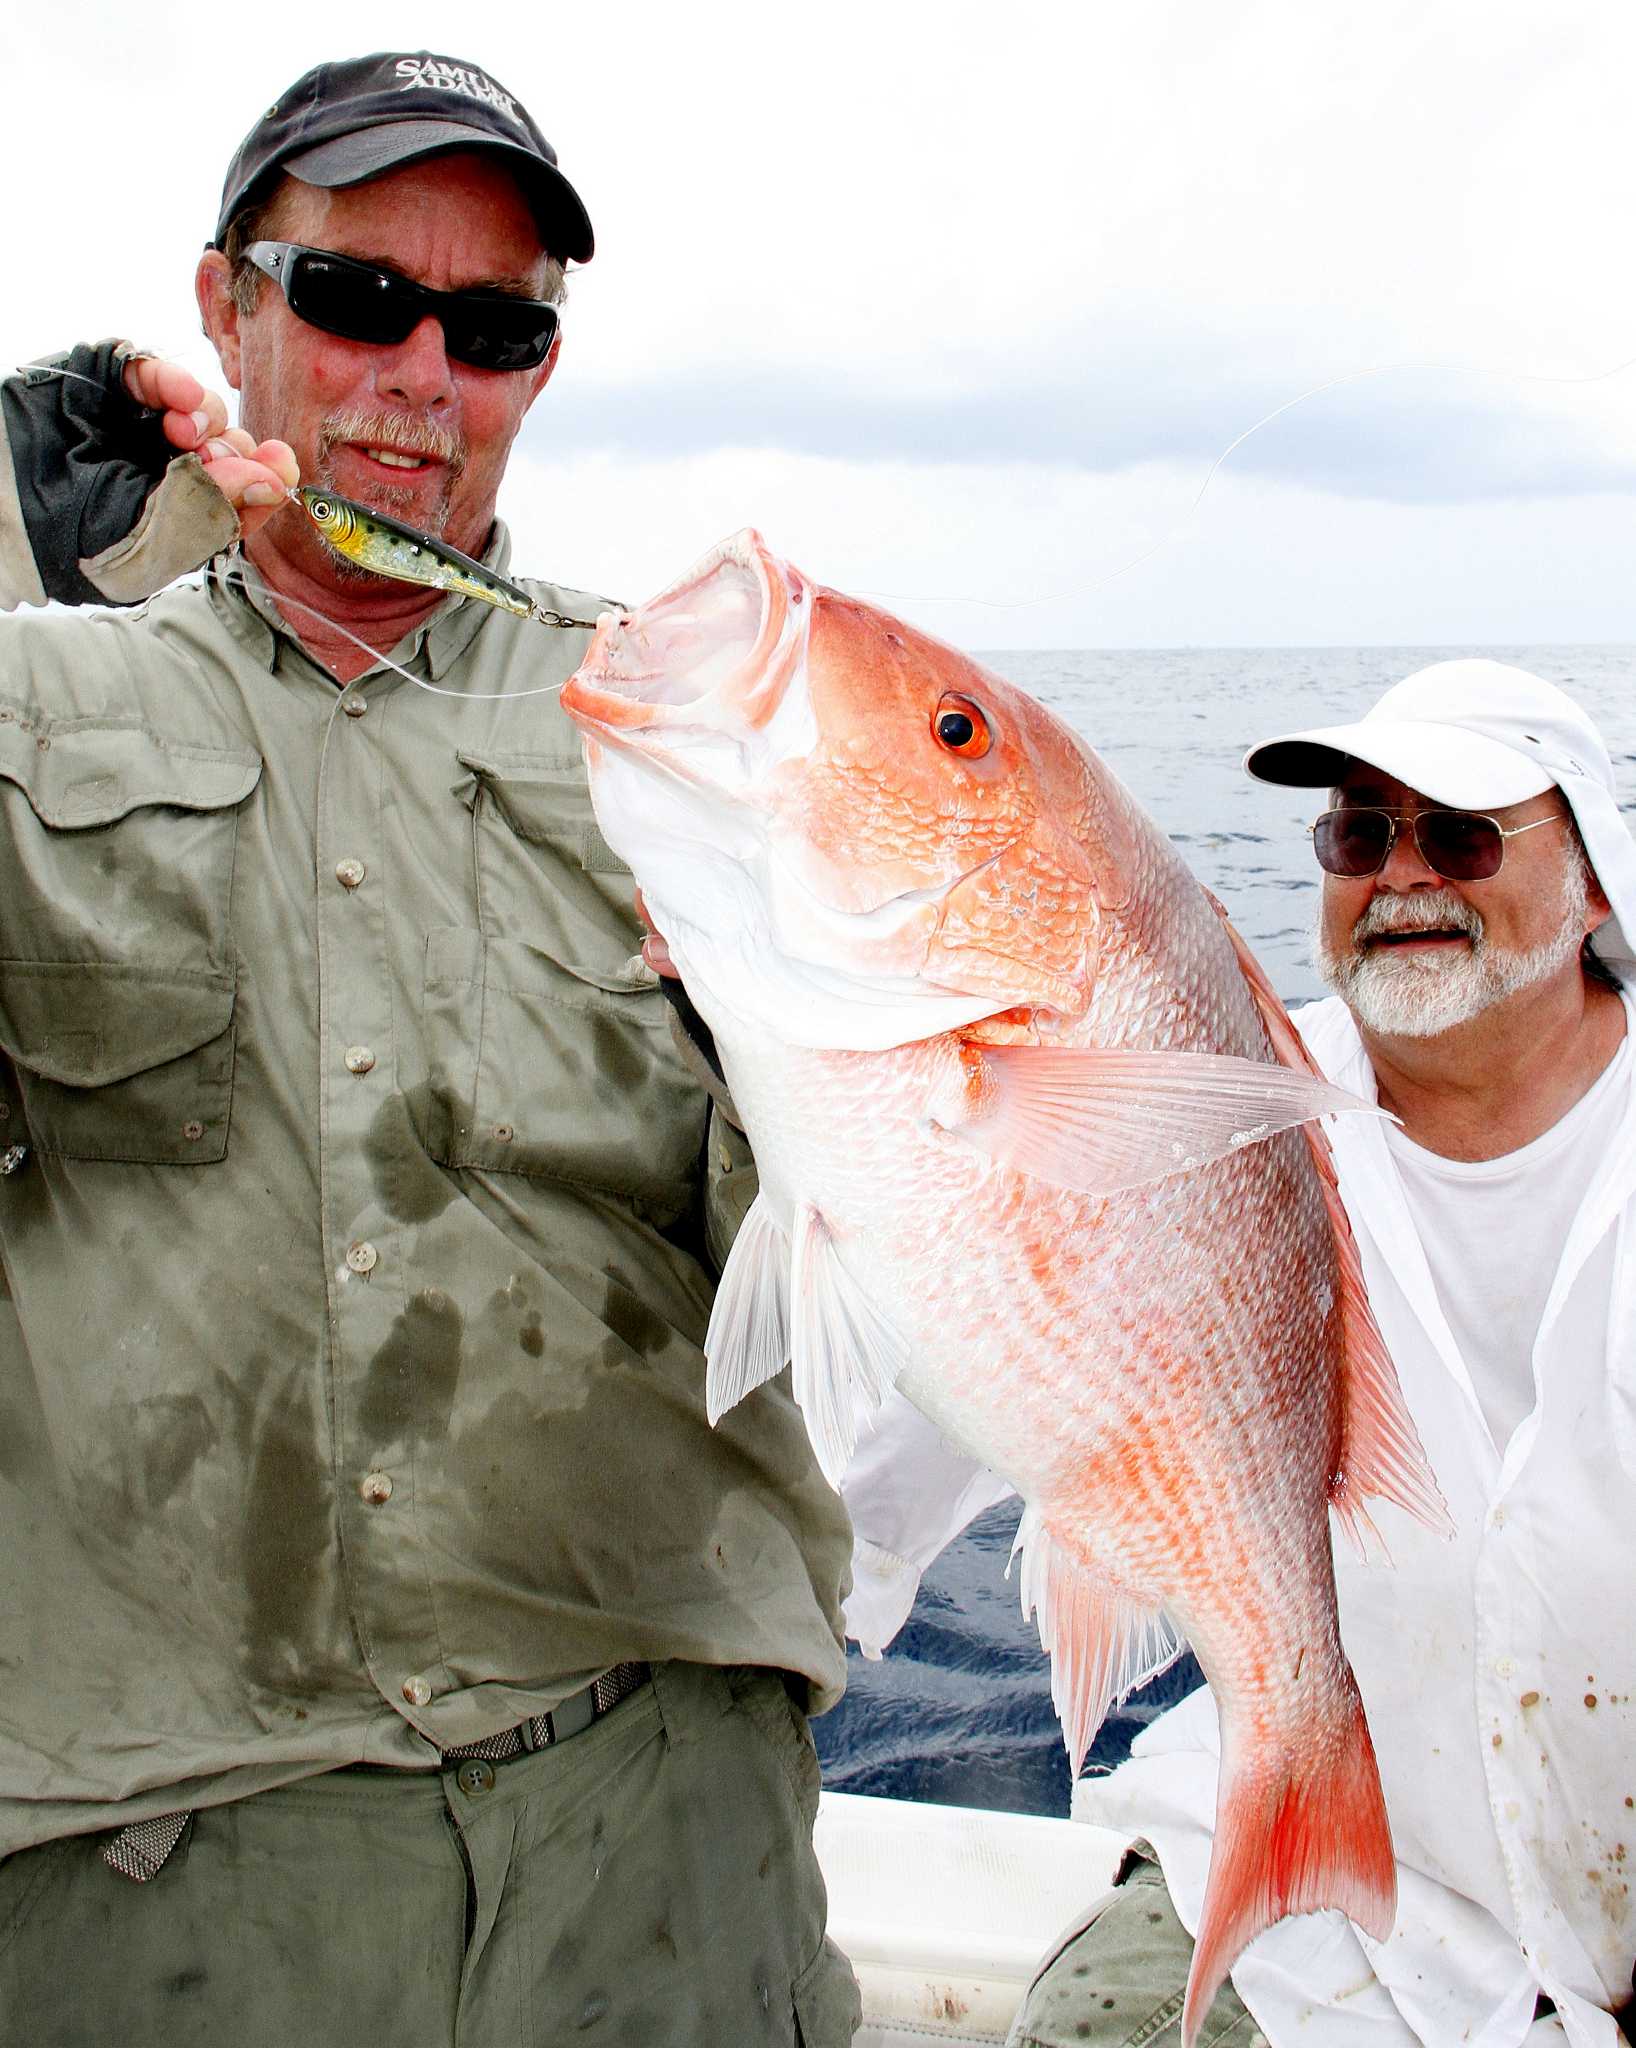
pixel 253 478
pixel 107 508
pixel 654 950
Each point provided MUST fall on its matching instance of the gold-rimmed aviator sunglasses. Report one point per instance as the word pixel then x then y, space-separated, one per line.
pixel 1461 846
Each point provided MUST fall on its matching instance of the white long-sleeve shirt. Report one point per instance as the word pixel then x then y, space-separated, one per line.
pixel 1498 1671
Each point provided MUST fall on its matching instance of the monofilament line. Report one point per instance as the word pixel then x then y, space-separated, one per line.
pixel 233 572
pixel 1011 604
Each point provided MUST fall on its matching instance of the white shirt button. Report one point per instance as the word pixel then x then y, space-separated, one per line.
pixel 349 873
pixel 376 1488
pixel 362 1258
pixel 355 707
pixel 359 1059
pixel 417 1692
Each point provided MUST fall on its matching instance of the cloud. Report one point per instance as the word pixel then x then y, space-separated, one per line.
pixel 1403 437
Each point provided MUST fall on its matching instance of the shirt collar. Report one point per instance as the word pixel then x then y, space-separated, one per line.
pixel 247 608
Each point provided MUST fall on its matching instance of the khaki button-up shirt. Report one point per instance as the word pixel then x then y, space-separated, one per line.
pixel 351 1389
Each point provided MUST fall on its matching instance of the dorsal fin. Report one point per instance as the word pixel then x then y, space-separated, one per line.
pixel 1381 1453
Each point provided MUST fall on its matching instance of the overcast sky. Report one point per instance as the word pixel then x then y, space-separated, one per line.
pixel 959 303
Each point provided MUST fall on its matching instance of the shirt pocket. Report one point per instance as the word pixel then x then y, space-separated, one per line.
pixel 549 1038
pixel 116 967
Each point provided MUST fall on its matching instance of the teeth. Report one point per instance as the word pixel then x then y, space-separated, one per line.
pixel 394 460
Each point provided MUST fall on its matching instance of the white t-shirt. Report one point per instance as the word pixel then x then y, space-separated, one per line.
pixel 1493 1231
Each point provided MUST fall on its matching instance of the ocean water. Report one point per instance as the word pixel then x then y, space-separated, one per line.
pixel 959 1708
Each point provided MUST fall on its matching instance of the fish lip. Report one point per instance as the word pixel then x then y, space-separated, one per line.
pixel 606 693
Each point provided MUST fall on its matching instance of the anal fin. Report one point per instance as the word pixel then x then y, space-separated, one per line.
pixel 1102 1643
pixel 844 1350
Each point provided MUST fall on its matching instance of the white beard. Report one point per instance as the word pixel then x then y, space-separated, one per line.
pixel 1399 995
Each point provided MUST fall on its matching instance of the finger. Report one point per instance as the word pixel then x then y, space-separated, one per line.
pixel 657 955
pixel 230 441
pixel 165 386
pixel 188 430
pixel 253 490
pixel 168 388
pixel 279 457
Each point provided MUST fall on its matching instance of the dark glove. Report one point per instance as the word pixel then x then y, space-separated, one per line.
pixel 86 457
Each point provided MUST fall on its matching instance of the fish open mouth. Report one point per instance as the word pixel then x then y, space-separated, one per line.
pixel 710 651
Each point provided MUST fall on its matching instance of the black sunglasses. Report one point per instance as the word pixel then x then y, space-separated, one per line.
pixel 1461 846
pixel 489 330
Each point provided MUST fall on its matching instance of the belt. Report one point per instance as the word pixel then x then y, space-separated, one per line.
pixel 139 1851
pixel 572 1717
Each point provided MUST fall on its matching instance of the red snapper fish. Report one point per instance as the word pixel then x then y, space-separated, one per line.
pixel 1036 1150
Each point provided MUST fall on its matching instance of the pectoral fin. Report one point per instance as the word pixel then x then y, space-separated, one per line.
pixel 1098 1121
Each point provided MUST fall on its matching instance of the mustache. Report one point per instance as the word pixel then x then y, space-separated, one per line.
pixel 1440 910
pixel 412 433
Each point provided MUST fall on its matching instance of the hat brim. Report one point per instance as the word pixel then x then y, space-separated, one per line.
pixel 1444 762
pixel 367 152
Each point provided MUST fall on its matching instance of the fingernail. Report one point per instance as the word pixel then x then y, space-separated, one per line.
pixel 263 494
pixel 201 421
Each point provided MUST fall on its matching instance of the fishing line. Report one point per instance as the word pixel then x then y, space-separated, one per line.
pixel 234 572
pixel 1278 411
pixel 1165 540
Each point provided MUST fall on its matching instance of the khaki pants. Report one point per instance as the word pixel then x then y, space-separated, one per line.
pixel 1119 1980
pixel 650 1883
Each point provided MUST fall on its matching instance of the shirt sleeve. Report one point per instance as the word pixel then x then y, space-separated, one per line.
pixel 19 578
pixel 909 1493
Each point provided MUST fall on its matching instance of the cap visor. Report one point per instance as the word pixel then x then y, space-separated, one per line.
pixel 367 152
pixel 1445 762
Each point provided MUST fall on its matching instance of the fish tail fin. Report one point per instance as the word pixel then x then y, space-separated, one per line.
pixel 1102 1643
pixel 1309 1833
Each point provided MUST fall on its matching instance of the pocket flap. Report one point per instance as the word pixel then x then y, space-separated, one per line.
pixel 86 1025
pixel 543 798
pixel 78 772
pixel 458 958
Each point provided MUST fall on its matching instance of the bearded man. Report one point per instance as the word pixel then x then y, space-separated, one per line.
pixel 1471 848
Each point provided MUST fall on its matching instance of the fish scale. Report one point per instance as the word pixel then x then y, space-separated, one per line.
pixel 1029 1160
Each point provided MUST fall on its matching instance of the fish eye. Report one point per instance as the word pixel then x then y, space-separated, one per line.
pixel 321 508
pixel 959 726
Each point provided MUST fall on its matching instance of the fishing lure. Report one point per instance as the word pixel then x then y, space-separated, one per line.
pixel 389 548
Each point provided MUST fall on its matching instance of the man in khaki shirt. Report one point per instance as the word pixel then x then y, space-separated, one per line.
pixel 390 1650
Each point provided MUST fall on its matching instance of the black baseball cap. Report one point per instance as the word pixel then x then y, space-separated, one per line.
pixel 348 121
